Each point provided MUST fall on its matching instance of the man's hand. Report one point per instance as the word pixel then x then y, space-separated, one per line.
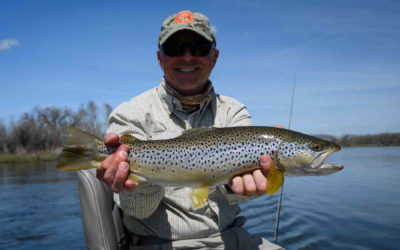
pixel 254 183
pixel 115 169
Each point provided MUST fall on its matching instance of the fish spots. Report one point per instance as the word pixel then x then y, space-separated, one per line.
pixel 214 153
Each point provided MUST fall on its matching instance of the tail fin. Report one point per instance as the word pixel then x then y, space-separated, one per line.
pixel 79 150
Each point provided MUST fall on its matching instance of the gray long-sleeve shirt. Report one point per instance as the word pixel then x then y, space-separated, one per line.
pixel 166 212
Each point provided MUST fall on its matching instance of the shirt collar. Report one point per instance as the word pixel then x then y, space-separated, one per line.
pixel 173 101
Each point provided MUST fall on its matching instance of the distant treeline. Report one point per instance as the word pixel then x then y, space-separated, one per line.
pixel 384 139
pixel 39 131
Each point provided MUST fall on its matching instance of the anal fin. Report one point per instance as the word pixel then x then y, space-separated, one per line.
pixel 199 195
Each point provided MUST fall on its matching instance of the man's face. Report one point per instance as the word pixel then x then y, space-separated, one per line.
pixel 187 74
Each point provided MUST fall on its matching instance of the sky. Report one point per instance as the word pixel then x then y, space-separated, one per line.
pixel 343 54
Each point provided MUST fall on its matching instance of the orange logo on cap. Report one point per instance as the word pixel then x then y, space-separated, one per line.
pixel 184 17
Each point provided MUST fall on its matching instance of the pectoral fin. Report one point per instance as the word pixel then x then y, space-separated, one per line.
pixel 199 195
pixel 274 180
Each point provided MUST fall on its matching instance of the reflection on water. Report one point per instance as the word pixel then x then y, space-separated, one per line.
pixel 30 173
pixel 39 208
pixel 357 208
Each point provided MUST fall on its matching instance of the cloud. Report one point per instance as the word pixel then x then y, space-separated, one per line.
pixel 6 44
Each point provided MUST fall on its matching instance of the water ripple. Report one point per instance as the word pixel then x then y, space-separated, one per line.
pixel 357 208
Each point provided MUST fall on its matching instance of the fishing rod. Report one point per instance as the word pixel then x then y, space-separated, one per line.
pixel 278 211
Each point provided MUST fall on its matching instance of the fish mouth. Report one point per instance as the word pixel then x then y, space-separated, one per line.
pixel 318 165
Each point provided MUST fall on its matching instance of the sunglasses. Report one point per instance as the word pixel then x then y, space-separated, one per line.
pixel 177 48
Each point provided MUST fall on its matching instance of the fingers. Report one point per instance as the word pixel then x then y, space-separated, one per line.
pixel 244 184
pixel 249 184
pixel 114 169
pixel 260 175
pixel 120 177
pixel 103 167
pixel 236 185
pixel 254 183
pixel 120 180
pixel 130 185
pixel 260 182
pixel 110 165
pixel 265 163
pixel 111 139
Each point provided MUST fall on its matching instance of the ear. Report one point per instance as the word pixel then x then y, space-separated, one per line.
pixel 215 55
pixel 160 58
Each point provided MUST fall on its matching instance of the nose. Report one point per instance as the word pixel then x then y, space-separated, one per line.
pixel 187 55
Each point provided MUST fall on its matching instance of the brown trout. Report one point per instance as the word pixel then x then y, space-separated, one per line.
pixel 206 157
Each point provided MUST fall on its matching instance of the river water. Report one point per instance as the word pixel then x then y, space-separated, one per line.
pixel 357 208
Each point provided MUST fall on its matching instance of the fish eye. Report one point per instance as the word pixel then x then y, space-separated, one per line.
pixel 317 147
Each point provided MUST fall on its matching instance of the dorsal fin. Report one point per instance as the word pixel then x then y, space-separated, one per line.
pixel 128 139
pixel 195 131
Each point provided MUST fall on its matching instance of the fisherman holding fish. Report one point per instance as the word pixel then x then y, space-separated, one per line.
pixel 180 157
pixel 163 216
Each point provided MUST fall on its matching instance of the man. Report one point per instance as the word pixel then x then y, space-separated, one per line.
pixel 162 217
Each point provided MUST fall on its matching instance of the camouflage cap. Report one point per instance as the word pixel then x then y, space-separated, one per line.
pixel 186 20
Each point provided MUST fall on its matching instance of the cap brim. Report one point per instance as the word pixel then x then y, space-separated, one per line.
pixel 173 31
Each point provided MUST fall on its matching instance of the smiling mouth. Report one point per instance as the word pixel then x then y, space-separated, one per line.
pixel 186 70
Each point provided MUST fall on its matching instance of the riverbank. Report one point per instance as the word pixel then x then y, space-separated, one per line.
pixel 31 157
